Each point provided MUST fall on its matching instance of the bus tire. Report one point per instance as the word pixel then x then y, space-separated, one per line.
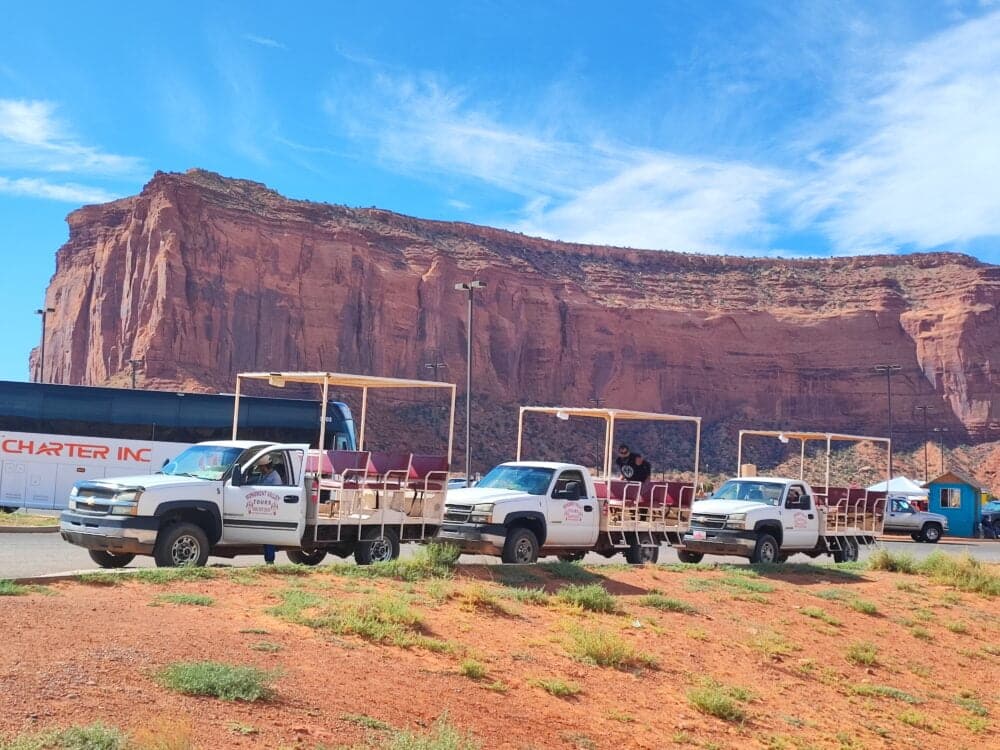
pixel 381 548
pixel 520 547
pixel 766 550
pixel 110 559
pixel 181 545
pixel 306 556
pixel 691 558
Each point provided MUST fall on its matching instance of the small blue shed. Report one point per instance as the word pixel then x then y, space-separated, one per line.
pixel 959 498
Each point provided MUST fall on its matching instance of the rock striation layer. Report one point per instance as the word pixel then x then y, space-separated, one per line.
pixel 202 277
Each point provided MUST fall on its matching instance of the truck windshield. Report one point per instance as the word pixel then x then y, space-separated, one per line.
pixel 203 462
pixel 766 493
pixel 531 479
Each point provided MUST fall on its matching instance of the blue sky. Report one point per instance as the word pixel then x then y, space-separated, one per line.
pixel 821 128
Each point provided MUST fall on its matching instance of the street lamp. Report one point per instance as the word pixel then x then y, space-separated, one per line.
pixel 889 371
pixel 597 402
pixel 940 433
pixel 924 408
pixel 469 287
pixel 434 366
pixel 44 312
pixel 136 364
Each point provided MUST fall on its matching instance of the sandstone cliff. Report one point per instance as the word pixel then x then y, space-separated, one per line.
pixel 202 277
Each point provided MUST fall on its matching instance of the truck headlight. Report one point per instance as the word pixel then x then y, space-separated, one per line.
pixel 481 513
pixel 126 503
pixel 736 520
pixel 74 492
pixel 128 496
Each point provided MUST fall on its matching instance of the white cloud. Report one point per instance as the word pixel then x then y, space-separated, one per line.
pixel 459 205
pixel 264 41
pixel 67 192
pixel 33 138
pixel 925 172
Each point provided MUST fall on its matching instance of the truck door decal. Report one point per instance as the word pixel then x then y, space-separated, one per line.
pixel 262 503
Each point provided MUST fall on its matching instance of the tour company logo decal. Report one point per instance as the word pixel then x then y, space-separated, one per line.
pixel 262 503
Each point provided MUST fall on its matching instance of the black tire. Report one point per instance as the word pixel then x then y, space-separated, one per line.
pixel 110 559
pixel 766 550
pixel 692 558
pixel 782 558
pixel 383 547
pixel 7 509
pixel 306 556
pixel 637 554
pixel 181 545
pixel 520 547
pixel 571 557
pixel 917 536
pixel 849 553
pixel 931 533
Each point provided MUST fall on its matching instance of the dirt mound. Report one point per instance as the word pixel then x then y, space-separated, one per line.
pixel 704 657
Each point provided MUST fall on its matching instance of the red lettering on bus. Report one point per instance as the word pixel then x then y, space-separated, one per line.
pixel 140 455
pixel 49 449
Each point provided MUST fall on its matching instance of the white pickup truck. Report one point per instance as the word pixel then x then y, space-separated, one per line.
pixel 523 510
pixel 767 519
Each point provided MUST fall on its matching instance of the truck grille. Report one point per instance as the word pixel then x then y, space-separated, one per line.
pixel 457 513
pixel 708 520
pixel 98 493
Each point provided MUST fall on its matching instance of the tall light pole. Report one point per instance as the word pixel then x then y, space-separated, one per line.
pixel 434 366
pixel 924 408
pixel 940 433
pixel 470 287
pixel 136 364
pixel 889 371
pixel 44 312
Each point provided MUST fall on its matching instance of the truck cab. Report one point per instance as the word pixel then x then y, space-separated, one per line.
pixel 523 509
pixel 761 518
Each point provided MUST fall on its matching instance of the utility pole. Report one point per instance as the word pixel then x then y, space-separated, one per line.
pixel 470 287
pixel 889 371
pixel 44 312
pixel 924 408
pixel 136 364
pixel 940 433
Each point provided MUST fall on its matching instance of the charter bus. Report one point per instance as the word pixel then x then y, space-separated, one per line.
pixel 52 436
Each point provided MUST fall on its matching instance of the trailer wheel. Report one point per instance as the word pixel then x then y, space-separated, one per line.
pixel 382 548
pixel 931 533
pixel 571 557
pixel 110 559
pixel 521 546
pixel 766 551
pixel 306 556
pixel 853 551
pixel 636 554
pixel 181 545
pixel 692 558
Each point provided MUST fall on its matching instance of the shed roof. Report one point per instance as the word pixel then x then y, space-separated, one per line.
pixel 953 474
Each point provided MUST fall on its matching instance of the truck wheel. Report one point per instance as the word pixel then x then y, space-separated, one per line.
pixel 571 557
pixel 181 545
pixel 931 533
pixel 766 551
pixel 521 547
pixel 693 558
pixel 110 559
pixel 852 552
pixel 382 548
pixel 636 554
pixel 306 556
pixel 917 536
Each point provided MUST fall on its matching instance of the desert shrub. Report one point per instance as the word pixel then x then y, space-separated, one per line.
pixel 557 687
pixel 592 597
pixel 606 649
pixel 218 680
pixel 865 654
pixel 667 604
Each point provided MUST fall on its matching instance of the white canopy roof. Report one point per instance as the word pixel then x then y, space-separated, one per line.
pixel 900 486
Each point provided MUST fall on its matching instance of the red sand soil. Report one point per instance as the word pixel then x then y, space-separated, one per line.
pixel 87 653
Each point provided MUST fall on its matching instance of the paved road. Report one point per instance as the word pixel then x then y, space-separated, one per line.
pixel 23 555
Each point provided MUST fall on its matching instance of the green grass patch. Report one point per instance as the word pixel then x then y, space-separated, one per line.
pixel 472 669
pixel 863 654
pixel 605 648
pixel 975 724
pixel 666 604
pixel 915 719
pixel 20 519
pixel 971 704
pixel 818 614
pixel 963 573
pixel 224 681
pixel 294 605
pixel 720 701
pixel 772 645
pixel 746 582
pixel 921 632
pixel 434 560
pixel 366 722
pixel 591 597
pixel 441 736
pixel 526 595
pixel 192 600
pixel 884 691
pixel 569 571
pixel 481 599
pixel 267 647
pixel 244 730
pixel 558 688
pixel 92 737
pixel 864 606
pixel 832 594
pixel 957 627
pixel 173 575
pixel 9 588
pixel 100 578
pixel 893 562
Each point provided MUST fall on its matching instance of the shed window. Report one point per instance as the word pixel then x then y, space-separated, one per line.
pixel 951 498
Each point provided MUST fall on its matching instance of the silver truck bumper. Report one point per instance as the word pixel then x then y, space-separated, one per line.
pixel 474 540
pixel 720 542
pixel 124 534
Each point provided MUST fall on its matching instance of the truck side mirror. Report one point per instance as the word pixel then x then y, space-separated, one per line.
pixel 572 491
pixel 237 477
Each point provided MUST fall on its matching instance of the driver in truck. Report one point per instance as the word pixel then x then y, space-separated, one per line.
pixel 264 472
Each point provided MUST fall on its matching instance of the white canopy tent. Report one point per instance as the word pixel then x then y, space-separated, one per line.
pixel 901 486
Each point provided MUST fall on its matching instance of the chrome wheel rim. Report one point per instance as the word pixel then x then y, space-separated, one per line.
pixel 381 550
pixel 931 534
pixel 768 552
pixel 185 551
pixel 523 550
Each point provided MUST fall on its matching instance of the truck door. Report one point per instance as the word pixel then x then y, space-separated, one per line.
pixel 267 508
pixel 901 516
pixel 799 519
pixel 572 515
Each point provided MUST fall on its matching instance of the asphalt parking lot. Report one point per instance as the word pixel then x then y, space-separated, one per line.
pixel 28 555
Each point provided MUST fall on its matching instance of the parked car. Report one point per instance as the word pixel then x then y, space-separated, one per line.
pixel 991 519
pixel 903 518
pixel 457 483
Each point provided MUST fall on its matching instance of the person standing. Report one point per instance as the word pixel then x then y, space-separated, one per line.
pixel 625 460
pixel 641 468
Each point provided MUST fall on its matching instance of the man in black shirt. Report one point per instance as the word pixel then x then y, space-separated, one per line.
pixel 641 468
pixel 625 460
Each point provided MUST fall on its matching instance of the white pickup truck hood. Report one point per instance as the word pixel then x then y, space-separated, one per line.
pixel 726 507
pixel 148 482
pixel 473 495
